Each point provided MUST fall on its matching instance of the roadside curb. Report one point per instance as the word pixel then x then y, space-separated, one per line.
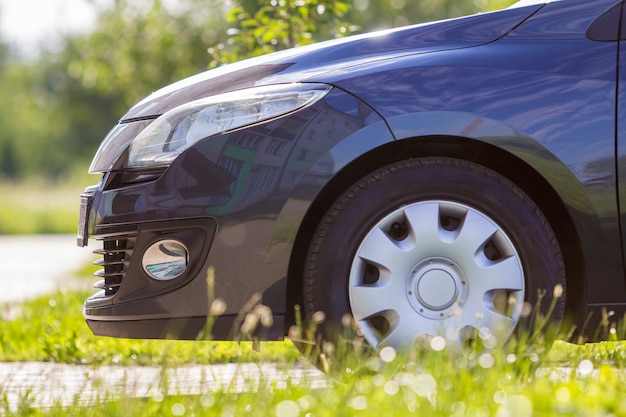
pixel 45 384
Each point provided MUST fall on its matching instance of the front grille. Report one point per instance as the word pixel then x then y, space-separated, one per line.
pixel 116 254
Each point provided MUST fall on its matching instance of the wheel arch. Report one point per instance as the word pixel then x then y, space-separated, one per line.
pixel 493 157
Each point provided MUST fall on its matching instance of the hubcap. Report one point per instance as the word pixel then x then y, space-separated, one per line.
pixel 436 288
pixel 435 268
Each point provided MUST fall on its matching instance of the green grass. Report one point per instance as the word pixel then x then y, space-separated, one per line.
pixel 401 388
pixel 427 380
pixel 39 207
pixel 52 328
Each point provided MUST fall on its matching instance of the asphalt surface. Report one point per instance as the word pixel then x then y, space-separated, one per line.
pixel 36 265
pixel 49 384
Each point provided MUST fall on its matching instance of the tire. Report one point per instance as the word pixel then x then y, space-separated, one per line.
pixel 431 246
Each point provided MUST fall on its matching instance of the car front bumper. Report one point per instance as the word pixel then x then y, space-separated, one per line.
pixel 236 202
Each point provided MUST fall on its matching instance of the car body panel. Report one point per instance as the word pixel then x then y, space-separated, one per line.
pixel 621 138
pixel 577 153
pixel 301 63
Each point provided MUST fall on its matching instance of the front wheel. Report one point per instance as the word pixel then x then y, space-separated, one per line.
pixel 431 247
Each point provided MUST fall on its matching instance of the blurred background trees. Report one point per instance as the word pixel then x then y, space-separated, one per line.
pixel 55 109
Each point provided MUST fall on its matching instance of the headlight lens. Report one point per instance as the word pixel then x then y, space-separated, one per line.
pixel 114 145
pixel 173 132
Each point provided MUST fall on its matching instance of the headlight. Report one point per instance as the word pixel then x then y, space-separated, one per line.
pixel 173 132
pixel 115 144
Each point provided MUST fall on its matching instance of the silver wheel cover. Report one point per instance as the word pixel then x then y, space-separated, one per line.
pixel 435 268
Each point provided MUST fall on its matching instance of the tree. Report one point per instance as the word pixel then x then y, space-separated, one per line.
pixel 135 50
pixel 55 111
pixel 367 15
pixel 259 28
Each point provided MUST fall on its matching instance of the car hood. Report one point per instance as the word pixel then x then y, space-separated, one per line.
pixel 300 64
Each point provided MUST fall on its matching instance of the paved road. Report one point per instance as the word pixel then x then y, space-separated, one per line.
pixel 36 265
pixel 47 384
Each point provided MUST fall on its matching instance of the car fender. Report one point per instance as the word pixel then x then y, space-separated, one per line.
pixel 475 127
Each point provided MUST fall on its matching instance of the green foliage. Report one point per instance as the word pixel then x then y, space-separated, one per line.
pixel 51 328
pixel 50 125
pixel 428 381
pixel 136 49
pixel 55 111
pixel 368 15
pixel 260 28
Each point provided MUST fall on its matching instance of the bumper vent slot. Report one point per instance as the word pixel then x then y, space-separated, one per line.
pixel 116 253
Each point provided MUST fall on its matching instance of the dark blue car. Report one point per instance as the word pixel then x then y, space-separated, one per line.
pixel 438 179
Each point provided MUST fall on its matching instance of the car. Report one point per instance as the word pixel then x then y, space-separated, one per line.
pixel 432 180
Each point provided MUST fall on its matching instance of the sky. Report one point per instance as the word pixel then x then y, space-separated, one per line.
pixel 28 25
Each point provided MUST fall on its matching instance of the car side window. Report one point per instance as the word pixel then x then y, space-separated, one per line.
pixel 606 28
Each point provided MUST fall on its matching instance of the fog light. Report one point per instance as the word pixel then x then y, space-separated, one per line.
pixel 165 260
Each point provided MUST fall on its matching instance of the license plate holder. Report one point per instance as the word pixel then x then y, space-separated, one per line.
pixel 83 220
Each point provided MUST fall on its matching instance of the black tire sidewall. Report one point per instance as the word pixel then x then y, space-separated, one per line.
pixel 363 205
